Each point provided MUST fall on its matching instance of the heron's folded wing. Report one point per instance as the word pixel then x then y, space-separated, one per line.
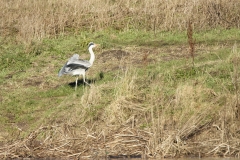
pixel 73 64
pixel 80 62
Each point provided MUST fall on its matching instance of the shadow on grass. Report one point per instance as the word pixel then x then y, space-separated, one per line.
pixel 81 82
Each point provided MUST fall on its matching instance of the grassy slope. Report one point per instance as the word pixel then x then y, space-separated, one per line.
pixel 152 87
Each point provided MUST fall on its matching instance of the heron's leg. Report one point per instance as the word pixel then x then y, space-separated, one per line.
pixel 76 83
pixel 85 80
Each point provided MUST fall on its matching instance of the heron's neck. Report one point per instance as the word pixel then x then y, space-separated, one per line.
pixel 92 58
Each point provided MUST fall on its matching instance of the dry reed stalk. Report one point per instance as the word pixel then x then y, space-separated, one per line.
pixel 191 42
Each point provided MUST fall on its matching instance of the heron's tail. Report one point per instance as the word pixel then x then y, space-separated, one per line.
pixel 61 72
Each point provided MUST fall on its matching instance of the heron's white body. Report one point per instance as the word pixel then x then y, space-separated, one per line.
pixel 76 66
pixel 77 72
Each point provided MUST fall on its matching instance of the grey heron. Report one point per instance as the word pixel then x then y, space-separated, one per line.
pixel 77 67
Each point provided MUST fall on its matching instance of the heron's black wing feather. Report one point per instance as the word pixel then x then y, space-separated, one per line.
pixel 73 66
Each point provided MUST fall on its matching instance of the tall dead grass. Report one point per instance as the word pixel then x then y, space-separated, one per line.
pixel 29 20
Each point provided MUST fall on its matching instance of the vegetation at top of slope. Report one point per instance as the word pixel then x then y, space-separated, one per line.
pixel 27 21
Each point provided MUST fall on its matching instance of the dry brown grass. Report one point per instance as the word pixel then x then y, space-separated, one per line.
pixel 30 20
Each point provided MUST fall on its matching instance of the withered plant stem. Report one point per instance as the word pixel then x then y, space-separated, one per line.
pixel 191 41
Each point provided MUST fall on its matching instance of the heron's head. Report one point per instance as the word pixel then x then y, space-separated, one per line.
pixel 91 44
